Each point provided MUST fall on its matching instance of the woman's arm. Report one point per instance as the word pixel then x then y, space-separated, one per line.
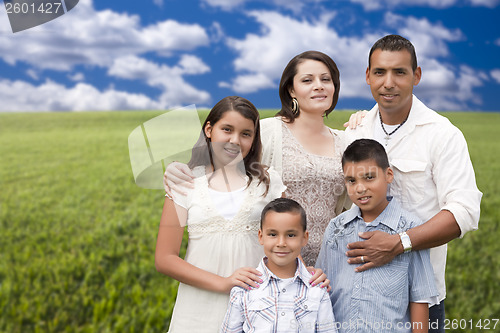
pixel 168 262
pixel 419 316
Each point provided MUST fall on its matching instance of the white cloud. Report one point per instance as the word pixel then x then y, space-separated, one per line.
pixel 495 74
pixel 262 57
pixel 295 6
pixel 249 83
pixel 89 37
pixel 216 32
pixel 429 39
pixel 86 37
pixel 225 4
pixel 176 91
pixel 497 42
pixel 445 87
pixel 50 96
pixel 33 74
pixel 381 4
pixel 193 65
pixel 159 3
pixel 485 3
pixel 77 77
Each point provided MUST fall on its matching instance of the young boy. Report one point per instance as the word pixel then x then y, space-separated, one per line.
pixel 391 298
pixel 285 301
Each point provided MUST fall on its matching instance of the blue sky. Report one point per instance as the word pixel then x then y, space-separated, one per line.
pixel 161 54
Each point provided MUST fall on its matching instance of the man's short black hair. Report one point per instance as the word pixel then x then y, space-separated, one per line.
pixel 285 205
pixel 394 43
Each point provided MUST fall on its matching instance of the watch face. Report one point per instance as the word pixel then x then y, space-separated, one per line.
pixel 405 241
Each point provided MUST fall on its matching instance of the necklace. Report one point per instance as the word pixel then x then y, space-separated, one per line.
pixel 388 135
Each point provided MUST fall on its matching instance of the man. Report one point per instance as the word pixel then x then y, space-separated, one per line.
pixel 433 174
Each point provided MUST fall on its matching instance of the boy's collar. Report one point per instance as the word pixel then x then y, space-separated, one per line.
pixel 388 216
pixel 301 272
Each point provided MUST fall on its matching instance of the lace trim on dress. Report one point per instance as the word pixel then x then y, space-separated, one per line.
pixel 215 223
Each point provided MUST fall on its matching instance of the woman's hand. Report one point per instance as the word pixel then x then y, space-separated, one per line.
pixel 176 176
pixel 319 277
pixel 355 119
pixel 244 277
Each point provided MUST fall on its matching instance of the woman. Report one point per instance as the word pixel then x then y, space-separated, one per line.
pixel 302 149
pixel 305 152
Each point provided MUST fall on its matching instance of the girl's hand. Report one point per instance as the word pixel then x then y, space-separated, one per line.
pixel 244 277
pixel 319 277
pixel 177 175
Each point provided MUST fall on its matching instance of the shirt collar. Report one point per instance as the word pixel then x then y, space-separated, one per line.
pixel 419 114
pixel 301 273
pixel 389 216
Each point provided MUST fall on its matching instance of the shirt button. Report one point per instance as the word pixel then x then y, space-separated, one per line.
pixel 284 290
pixel 305 306
pixel 282 313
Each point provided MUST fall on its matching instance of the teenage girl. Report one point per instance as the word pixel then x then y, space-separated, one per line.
pixel 221 213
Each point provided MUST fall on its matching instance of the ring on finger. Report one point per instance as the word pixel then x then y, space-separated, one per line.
pixel 362 259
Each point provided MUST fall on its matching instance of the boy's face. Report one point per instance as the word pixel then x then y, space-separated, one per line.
pixel 283 237
pixel 366 185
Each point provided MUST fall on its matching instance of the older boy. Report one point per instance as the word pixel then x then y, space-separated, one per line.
pixel 391 298
pixel 285 300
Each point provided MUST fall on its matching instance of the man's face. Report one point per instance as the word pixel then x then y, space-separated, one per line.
pixel 391 81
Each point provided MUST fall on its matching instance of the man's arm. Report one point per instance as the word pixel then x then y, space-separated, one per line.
pixel 380 248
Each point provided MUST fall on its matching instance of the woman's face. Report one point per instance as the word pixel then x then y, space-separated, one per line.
pixel 313 87
pixel 231 136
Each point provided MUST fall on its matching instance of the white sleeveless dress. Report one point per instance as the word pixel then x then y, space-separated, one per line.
pixel 219 246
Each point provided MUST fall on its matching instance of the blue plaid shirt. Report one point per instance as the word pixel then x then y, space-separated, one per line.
pixel 376 300
pixel 289 305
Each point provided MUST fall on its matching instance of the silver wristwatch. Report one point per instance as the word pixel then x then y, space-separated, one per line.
pixel 405 240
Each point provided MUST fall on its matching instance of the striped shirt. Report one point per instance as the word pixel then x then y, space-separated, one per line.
pixel 280 305
pixel 376 300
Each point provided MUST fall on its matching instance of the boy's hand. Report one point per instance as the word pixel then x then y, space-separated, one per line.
pixel 244 277
pixel 319 277
pixel 378 249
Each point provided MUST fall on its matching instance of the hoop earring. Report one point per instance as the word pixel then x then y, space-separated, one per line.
pixel 295 107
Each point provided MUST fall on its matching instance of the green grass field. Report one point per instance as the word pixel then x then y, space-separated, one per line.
pixel 77 236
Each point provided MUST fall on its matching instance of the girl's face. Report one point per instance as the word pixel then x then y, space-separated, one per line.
pixel 232 137
pixel 313 87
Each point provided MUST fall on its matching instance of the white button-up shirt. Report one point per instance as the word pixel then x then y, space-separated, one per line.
pixel 280 305
pixel 432 171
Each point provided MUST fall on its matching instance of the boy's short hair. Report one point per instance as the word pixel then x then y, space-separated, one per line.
pixel 285 205
pixel 366 149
